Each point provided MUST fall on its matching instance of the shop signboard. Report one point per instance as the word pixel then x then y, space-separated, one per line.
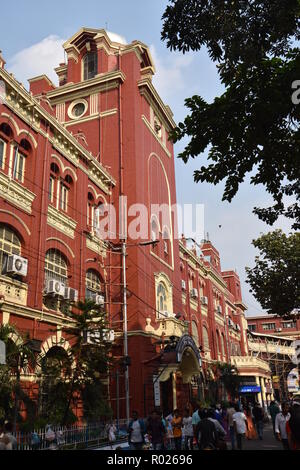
pixel 250 389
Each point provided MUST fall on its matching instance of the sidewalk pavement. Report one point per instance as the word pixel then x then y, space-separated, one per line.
pixel 269 442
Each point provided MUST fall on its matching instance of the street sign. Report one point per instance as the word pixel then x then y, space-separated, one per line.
pixel 293 380
pixel 250 389
pixel 296 357
pixel 156 387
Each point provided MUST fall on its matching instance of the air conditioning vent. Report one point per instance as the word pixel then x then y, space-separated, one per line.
pixel 98 299
pixel 183 285
pixel 55 288
pixel 204 300
pixel 194 293
pixel 278 329
pixel 109 336
pixel 17 265
pixel 71 294
pixel 93 336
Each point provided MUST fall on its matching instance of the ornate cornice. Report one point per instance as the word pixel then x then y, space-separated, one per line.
pixel 95 244
pixel 16 194
pixel 149 92
pixel 61 222
pixel 98 83
pixel 30 111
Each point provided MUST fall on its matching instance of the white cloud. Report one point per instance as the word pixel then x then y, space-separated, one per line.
pixel 169 78
pixel 40 58
pixel 116 37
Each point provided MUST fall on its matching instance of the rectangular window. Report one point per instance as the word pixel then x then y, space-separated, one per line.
pixel 2 153
pixel 252 327
pixel 268 326
pixel 289 324
pixel 63 197
pixel 51 189
pixel 18 165
pixel 90 65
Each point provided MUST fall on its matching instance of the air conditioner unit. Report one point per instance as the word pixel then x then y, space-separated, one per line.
pixel 194 293
pixel 17 265
pixel 278 329
pixel 71 294
pixel 92 337
pixel 55 287
pixel 98 299
pixel 204 300
pixel 183 285
pixel 109 336
pixel 219 309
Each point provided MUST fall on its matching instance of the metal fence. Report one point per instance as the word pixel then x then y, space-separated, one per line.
pixel 76 436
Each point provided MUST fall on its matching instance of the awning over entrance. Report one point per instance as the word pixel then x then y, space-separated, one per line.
pixel 186 360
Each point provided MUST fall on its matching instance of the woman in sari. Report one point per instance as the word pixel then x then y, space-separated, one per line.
pixel 251 431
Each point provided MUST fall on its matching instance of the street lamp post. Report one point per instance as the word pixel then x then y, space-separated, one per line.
pixel 122 247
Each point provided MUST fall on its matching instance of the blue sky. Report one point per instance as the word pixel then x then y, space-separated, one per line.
pixel 31 36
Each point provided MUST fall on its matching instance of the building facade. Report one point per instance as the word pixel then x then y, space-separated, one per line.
pixel 68 152
pixel 275 325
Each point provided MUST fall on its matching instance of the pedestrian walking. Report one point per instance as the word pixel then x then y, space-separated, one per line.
pixel 206 432
pixel 8 438
pixel 195 421
pixel 177 429
pixel 169 429
pixel 251 431
pixel 258 415
pixel 156 430
pixel 230 413
pixel 240 426
pixel 188 430
pixel 111 433
pixel 280 425
pixel 136 432
pixel 273 410
pixel 293 424
pixel 220 431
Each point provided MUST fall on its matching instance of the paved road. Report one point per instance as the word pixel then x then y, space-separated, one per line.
pixel 268 443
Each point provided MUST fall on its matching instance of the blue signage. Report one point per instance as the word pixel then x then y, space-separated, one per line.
pixel 250 389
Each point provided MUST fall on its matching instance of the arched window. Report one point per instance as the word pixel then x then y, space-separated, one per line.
pixel 5 135
pixel 20 153
pixel 90 65
pixel 223 346
pixel 205 339
pixel 166 241
pixel 219 345
pixel 161 296
pixel 56 266
pixel 9 245
pixel 92 283
pixel 195 333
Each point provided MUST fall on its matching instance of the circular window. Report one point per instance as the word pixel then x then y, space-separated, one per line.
pixel 77 109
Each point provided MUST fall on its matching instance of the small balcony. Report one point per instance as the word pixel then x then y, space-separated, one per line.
pixel 14 291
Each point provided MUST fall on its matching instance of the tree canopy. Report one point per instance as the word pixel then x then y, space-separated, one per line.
pixel 274 280
pixel 253 127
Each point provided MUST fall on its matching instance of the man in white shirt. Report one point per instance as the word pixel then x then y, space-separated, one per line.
pixel 280 425
pixel 230 413
pixel 240 426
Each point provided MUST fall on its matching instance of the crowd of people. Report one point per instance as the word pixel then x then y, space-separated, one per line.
pixel 202 428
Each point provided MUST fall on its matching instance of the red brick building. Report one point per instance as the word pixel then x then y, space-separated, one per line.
pixel 273 324
pixel 65 153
